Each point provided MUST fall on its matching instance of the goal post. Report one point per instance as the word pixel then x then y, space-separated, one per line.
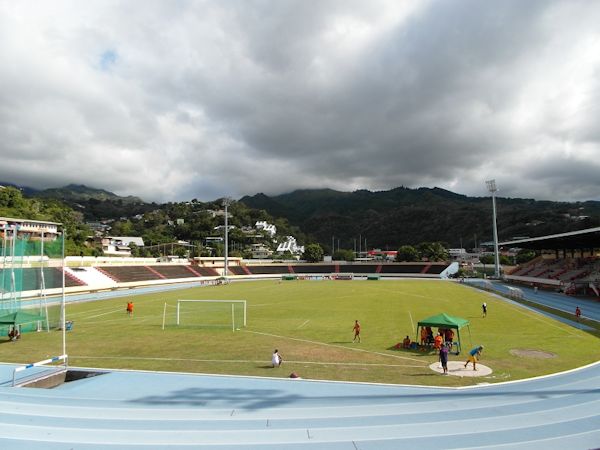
pixel 215 313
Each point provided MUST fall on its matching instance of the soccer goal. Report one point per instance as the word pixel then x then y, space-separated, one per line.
pixel 211 313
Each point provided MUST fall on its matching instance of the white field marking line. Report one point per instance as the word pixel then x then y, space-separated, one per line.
pixel 80 313
pixel 412 324
pixel 334 345
pixel 266 304
pixel 241 361
pixel 540 317
pixel 528 311
pixel 103 314
pixel 122 321
pixel 304 323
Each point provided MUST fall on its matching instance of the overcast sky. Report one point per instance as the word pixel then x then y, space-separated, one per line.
pixel 174 100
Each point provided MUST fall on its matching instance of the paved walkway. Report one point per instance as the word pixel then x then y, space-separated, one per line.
pixel 135 410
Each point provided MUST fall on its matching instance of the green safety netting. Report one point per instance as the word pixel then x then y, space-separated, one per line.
pixel 21 318
pixel 25 266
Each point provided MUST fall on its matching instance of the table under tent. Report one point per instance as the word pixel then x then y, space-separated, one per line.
pixel 444 321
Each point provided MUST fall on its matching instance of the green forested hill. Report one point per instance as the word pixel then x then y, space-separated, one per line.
pixel 386 219
pixel 400 216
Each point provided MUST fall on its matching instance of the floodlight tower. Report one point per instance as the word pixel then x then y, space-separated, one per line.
pixel 491 186
pixel 226 203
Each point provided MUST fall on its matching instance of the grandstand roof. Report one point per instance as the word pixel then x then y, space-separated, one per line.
pixel 581 239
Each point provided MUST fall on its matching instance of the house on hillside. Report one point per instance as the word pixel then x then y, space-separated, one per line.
pixel 268 228
pixel 119 245
pixel 290 245
pixel 261 251
pixel 30 229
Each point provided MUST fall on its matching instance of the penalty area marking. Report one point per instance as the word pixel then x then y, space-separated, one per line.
pixel 336 346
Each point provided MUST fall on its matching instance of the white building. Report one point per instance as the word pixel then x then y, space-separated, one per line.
pixel 267 227
pixel 119 245
pixel 32 229
pixel 290 245
pixel 261 251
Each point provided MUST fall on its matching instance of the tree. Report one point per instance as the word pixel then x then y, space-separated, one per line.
pixel 525 256
pixel 181 251
pixel 11 199
pixel 343 255
pixel 487 259
pixel 313 253
pixel 407 253
pixel 135 250
pixel 287 255
pixel 433 251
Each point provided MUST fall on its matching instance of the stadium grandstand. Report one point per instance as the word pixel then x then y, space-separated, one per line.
pixel 85 274
pixel 566 262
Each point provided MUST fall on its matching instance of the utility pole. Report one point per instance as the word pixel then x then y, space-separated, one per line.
pixel 491 185
pixel 226 203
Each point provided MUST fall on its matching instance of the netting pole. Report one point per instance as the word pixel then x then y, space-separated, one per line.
pixel 4 240
pixel 43 302
pixel 245 312
pixel 63 301
pixel 164 315
pixel 13 281
pixel 232 318
pixel 177 313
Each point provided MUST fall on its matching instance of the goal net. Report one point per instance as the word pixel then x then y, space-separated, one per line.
pixel 211 313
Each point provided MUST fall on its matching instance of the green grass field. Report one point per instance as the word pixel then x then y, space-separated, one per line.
pixel 310 322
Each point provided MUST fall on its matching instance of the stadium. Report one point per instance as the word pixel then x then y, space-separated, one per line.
pixel 188 365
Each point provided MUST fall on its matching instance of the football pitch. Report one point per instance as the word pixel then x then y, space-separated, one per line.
pixel 310 323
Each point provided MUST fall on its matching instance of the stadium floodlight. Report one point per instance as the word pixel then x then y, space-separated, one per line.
pixel 226 203
pixel 491 186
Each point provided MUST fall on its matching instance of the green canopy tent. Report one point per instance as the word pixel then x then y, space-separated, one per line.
pixel 20 318
pixel 443 320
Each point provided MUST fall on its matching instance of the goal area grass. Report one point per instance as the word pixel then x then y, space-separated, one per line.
pixel 311 324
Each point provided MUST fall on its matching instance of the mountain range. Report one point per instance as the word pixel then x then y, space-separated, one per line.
pixel 402 215
pixel 384 219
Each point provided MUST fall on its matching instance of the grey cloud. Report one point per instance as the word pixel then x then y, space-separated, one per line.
pixel 205 99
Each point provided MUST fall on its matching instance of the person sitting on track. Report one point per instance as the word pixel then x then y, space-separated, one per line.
pixel 276 359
